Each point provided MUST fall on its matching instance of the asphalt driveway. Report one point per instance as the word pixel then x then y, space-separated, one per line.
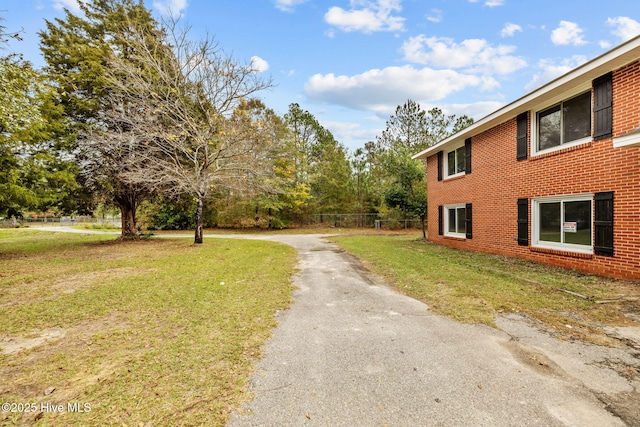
pixel 352 352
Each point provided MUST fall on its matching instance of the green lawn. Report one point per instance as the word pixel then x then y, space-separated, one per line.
pixel 160 331
pixel 474 287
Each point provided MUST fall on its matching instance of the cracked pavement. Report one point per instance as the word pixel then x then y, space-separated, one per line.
pixel 353 352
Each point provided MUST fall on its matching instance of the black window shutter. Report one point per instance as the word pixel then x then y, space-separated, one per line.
pixel 440 165
pixel 521 136
pixel 440 220
pixel 523 222
pixel 602 107
pixel 467 221
pixel 604 223
pixel 467 155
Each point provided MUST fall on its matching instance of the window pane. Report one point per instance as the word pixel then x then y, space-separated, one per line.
pixel 451 162
pixel 452 220
pixel 550 222
pixel 460 160
pixel 549 128
pixel 462 226
pixel 577 222
pixel 577 118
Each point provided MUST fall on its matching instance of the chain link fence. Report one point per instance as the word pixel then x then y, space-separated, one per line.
pixel 110 220
pixel 367 220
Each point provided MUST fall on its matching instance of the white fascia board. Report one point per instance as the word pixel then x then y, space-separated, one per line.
pixel 632 139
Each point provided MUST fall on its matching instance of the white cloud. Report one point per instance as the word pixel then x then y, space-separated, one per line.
pixel 476 110
pixel 510 29
pixel 473 55
pixel 435 16
pixel 551 70
pixel 490 3
pixel 288 5
pixel 72 5
pixel 350 131
pixel 258 64
pixel 567 33
pixel 624 28
pixel 367 16
pixel 605 44
pixel 378 90
pixel 170 7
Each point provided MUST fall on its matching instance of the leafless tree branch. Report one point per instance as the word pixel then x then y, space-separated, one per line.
pixel 182 104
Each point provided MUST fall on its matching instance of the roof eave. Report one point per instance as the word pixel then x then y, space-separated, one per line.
pixel 608 61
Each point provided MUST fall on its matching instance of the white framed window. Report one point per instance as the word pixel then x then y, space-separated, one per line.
pixel 563 124
pixel 454 161
pixel 455 220
pixel 563 222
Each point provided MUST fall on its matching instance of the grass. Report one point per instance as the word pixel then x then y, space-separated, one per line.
pixel 99 226
pixel 286 231
pixel 160 332
pixel 474 287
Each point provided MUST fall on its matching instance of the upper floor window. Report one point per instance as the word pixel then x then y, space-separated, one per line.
pixel 456 161
pixel 568 122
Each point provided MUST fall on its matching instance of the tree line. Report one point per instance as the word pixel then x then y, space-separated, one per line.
pixel 133 113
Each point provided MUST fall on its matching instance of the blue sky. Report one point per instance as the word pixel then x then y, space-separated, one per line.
pixel 352 62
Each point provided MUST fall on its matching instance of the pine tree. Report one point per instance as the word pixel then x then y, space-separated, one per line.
pixel 409 131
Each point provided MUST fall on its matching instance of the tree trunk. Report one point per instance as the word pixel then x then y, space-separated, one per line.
pixel 128 206
pixel 199 220
pixel 424 230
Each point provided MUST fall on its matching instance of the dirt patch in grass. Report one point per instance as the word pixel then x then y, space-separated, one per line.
pixel 74 282
pixel 38 290
pixel 153 332
pixel 14 344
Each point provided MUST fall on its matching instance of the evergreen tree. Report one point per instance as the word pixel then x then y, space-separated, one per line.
pixel 409 131
pixel 330 182
pixel 77 50
pixel 406 128
pixel 320 163
pixel 33 172
pixel 407 190
pixel 413 128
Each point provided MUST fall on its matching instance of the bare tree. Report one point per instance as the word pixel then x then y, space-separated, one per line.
pixel 6 35
pixel 183 100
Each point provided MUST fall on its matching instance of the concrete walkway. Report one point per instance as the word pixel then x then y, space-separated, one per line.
pixel 352 352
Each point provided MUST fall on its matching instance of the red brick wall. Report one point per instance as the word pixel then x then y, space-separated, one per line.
pixel 498 180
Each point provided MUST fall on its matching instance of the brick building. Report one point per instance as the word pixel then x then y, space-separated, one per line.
pixel 553 177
